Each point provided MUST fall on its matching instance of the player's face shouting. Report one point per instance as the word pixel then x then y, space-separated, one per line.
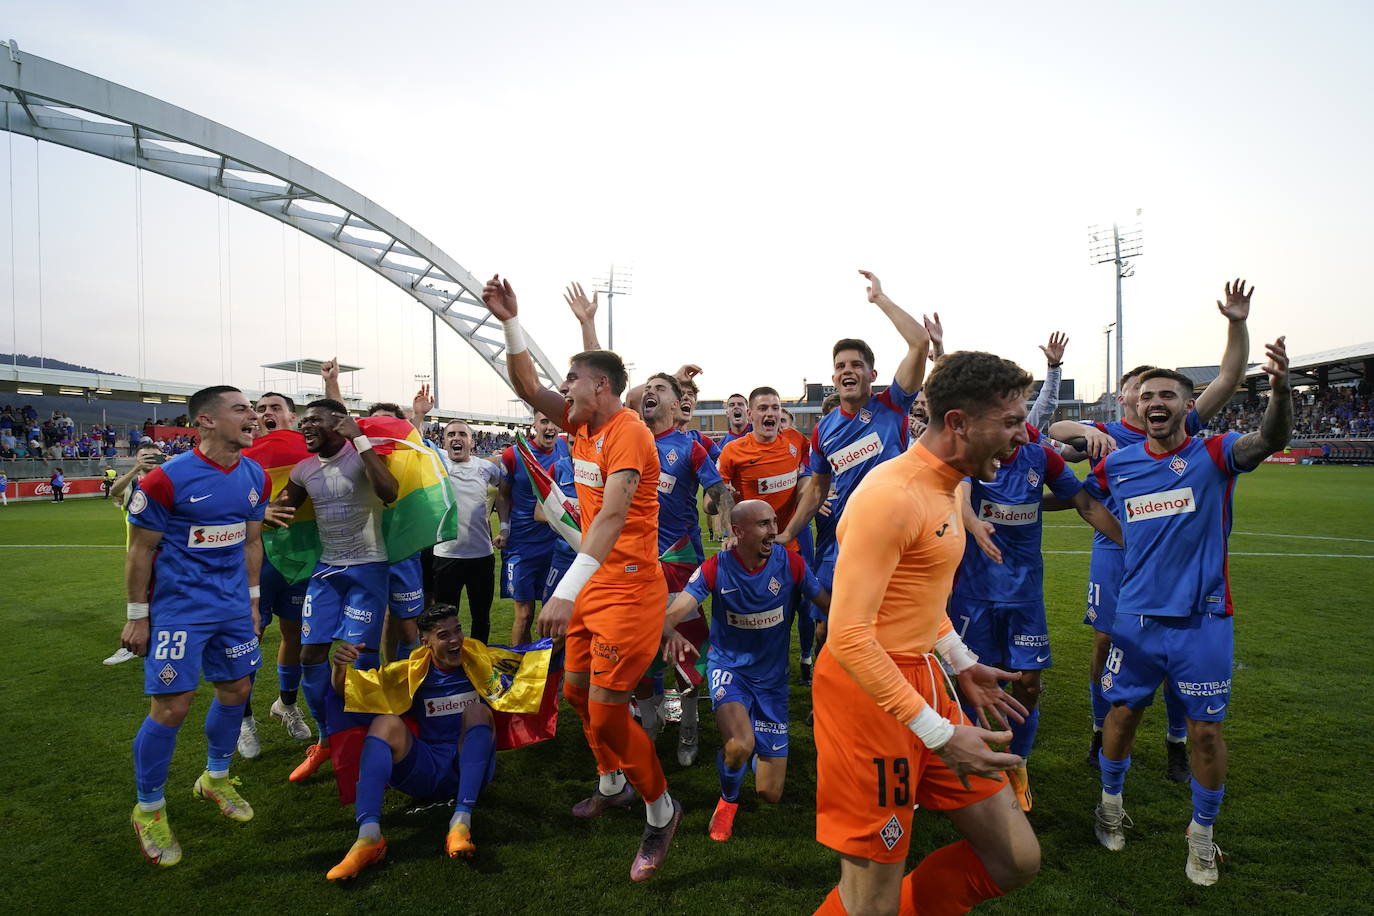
pixel 317 426
pixel 273 415
pixel 736 409
pixel 458 440
pixel 852 376
pixel 545 431
pixel 687 405
pixel 579 393
pixel 232 419
pixel 766 415
pixel 993 435
pixel 757 534
pixel 658 401
pixel 1162 407
pixel 446 642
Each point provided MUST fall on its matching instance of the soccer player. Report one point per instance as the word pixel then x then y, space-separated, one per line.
pixel 197 529
pixel 1174 612
pixel 528 553
pixel 998 605
pixel 684 467
pixel 764 464
pixel 467 562
pixel 755 589
pixel 887 733
pixel 737 423
pixel 1104 570
pixel 867 430
pixel 453 754
pixel 611 603
pixel 348 483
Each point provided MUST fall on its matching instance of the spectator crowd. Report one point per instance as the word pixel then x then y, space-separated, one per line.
pixel 1337 413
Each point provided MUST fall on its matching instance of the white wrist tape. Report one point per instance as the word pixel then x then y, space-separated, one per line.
pixel 957 655
pixel 582 568
pixel 362 443
pixel 255 591
pixel 933 729
pixel 505 526
pixel 138 610
pixel 515 338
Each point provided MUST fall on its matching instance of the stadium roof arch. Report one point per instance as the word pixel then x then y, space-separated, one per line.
pixel 55 103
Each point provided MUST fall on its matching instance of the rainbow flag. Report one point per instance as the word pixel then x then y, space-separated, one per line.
pixel 422 515
pixel 561 515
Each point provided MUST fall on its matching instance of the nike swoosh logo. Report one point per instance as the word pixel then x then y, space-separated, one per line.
pixel 1041 658
pixel 602 671
pixel 1213 712
pixel 778 747
pixel 196 499
pixel 256 660
pixel 1122 479
pixel 726 591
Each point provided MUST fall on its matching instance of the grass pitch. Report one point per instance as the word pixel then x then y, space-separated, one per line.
pixel 1296 822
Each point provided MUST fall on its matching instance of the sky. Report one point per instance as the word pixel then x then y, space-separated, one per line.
pixel 744 159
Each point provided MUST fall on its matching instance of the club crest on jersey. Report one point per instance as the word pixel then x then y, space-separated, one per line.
pixel 1033 477
pixel 138 503
pixel 774 585
pixel 1106 682
pixel 792 448
pixel 253 497
pixel 891 832
pixel 866 416
pixel 167 675
pixel 600 442
pixel 720 692
pixel 1178 465
pixel 672 456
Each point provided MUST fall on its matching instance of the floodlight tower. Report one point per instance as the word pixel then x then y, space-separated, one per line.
pixel 1108 332
pixel 1118 247
pixel 617 281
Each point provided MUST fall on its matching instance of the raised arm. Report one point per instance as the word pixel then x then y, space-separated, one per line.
pixel 1276 427
pixel 584 310
pixel 420 408
pixel 500 300
pixel 1236 309
pixel 329 371
pixel 1048 398
pixel 911 371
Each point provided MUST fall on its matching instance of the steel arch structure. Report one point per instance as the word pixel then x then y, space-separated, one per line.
pixel 51 102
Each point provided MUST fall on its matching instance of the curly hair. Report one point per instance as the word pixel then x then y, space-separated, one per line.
pixel 973 382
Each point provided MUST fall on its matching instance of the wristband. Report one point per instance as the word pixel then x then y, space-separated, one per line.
pixel 505 526
pixel 138 610
pixel 582 568
pixel 1056 365
pixel 362 443
pixel 954 652
pixel 933 729
pixel 515 338
pixel 255 591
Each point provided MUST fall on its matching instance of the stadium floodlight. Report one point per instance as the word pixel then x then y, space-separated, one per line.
pixel 618 281
pixel 1108 331
pixel 33 391
pixel 1117 247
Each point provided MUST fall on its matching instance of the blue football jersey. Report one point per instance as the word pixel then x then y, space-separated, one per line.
pixel 730 437
pixel 439 703
pixel 1012 503
pixel 847 446
pixel 684 467
pixel 1175 512
pixel 1125 434
pixel 528 536
pixel 712 447
pixel 751 612
pixel 202 511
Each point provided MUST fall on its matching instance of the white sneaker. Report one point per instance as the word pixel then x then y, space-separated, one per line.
pixel 294 720
pixel 1110 823
pixel 1203 856
pixel 122 655
pixel 687 745
pixel 249 745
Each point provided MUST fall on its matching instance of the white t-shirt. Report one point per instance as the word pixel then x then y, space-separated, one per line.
pixel 347 510
pixel 469 481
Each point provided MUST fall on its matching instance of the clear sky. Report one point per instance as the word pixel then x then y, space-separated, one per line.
pixel 744 158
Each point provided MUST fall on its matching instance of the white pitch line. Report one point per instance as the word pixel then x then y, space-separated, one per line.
pixel 1260 534
pixel 1241 553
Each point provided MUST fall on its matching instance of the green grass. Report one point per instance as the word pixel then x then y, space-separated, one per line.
pixel 1296 820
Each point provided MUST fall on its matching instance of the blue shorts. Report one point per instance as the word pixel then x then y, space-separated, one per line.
pixel 1013 636
pixel 766 706
pixel 430 771
pixel 345 602
pixel 523 575
pixel 825 575
pixel 278 597
pixel 406 588
pixel 179 653
pixel 562 558
pixel 1104 584
pixel 1193 654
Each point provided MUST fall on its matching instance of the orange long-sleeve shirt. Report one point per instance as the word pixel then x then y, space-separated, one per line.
pixel 901 540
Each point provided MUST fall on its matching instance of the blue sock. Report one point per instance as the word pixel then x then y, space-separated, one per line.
pixel 1100 705
pixel 1177 712
pixel 806 635
pixel 1023 734
pixel 153 746
pixel 404 649
pixel 1206 804
pixel 374 771
pixel 475 759
pixel 730 780
pixel 289 678
pixel 315 685
pixel 222 731
pixel 1113 773
pixel 368 659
